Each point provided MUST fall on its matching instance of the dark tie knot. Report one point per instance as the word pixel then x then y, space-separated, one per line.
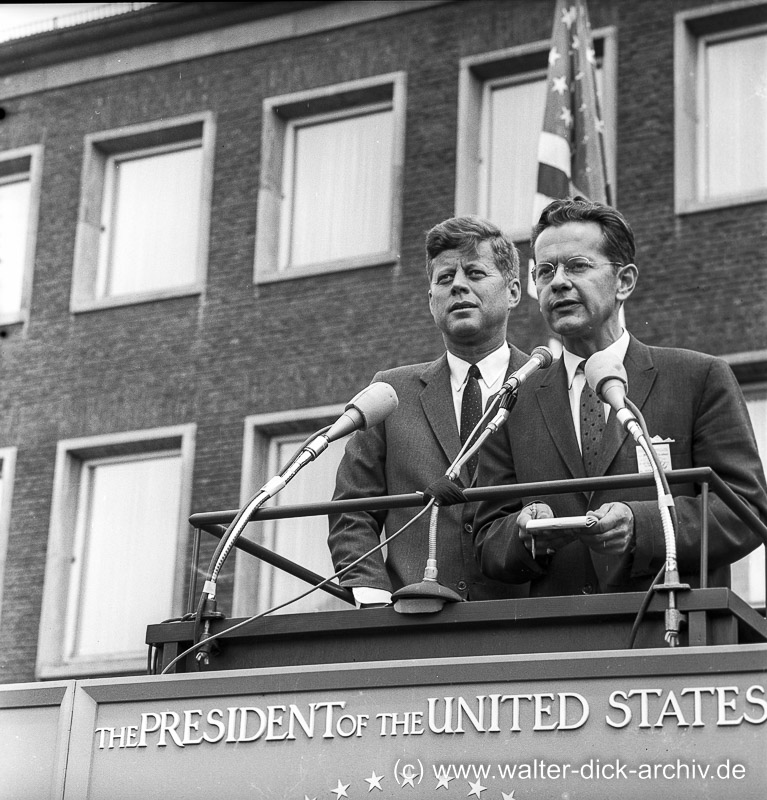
pixel 474 372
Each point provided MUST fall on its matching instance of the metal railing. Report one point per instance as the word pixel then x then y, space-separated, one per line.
pixel 215 522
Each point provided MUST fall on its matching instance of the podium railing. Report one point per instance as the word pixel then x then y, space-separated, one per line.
pixel 713 616
pixel 214 523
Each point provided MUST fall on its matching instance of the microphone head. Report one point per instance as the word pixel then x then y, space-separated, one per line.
pixel 374 403
pixel 544 355
pixel 604 366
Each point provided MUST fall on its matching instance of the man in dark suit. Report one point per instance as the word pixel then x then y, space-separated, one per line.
pixel 692 405
pixel 473 271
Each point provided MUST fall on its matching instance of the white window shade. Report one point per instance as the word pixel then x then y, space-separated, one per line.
pixel 301 539
pixel 14 223
pixel 340 179
pixel 151 219
pixel 510 167
pixel 124 559
pixel 733 135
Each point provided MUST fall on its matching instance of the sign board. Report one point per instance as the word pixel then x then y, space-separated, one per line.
pixel 687 722
pixel 34 733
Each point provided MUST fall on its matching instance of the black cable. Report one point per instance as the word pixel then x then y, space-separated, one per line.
pixel 196 645
pixel 643 608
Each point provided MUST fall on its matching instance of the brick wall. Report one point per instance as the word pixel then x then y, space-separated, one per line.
pixel 241 349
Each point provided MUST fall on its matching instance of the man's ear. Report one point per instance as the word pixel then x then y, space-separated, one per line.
pixel 515 293
pixel 628 275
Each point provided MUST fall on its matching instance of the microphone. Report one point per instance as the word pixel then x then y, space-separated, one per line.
pixel 606 375
pixel 365 410
pixel 540 358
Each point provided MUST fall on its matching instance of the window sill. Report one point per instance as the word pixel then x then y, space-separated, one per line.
pixel 389 259
pixel 698 206
pixel 80 306
pixel 125 665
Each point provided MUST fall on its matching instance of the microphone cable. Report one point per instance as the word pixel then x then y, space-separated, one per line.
pixel 213 637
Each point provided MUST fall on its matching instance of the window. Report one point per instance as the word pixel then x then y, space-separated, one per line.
pixel 144 215
pixel 502 97
pixel 117 544
pixel 7 463
pixel 331 179
pixel 748 574
pixel 270 441
pixel 721 106
pixel 20 172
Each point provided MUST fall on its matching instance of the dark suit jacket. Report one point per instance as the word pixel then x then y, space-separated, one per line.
pixel 691 398
pixel 406 453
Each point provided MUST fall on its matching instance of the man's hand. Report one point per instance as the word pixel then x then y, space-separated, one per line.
pixel 614 532
pixel 543 542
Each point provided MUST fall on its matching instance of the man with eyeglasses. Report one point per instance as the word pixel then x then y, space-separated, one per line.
pixel 584 273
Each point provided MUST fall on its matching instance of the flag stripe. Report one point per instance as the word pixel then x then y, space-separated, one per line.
pixel 554 150
pixel 552 181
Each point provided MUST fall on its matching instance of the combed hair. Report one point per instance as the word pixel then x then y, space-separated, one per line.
pixel 617 236
pixel 466 234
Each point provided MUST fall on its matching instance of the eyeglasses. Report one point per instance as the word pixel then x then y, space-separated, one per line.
pixel 544 271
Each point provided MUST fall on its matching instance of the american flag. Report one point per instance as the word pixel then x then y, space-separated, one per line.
pixel 571 157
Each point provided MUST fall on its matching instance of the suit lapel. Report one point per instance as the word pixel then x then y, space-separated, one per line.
pixel 641 375
pixel 437 404
pixel 554 403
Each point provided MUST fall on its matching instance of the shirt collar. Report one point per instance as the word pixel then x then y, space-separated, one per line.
pixel 618 348
pixel 493 368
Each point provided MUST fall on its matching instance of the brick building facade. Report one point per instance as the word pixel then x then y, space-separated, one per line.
pixel 230 358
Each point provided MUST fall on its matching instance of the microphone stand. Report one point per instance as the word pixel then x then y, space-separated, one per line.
pixel 206 608
pixel 671 583
pixel 429 596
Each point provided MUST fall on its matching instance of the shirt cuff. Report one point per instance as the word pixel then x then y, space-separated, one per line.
pixel 365 595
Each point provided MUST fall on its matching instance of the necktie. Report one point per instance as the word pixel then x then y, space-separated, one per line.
pixel 592 427
pixel 471 411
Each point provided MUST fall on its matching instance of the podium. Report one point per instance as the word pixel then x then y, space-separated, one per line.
pixel 526 698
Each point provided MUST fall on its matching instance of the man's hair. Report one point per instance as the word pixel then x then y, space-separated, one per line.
pixel 466 234
pixel 617 236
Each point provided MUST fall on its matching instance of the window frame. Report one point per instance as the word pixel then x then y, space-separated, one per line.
pixel 515 65
pixel 692 29
pixel 7 472
pixel 72 458
pixel 100 150
pixel 282 113
pixel 259 431
pixel 27 162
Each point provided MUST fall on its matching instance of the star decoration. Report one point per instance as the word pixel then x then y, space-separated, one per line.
pixel 508 796
pixel 554 56
pixel 568 16
pixel 408 779
pixel 476 789
pixel 576 42
pixel 566 116
pixel 599 124
pixel 340 790
pixel 444 780
pixel 306 797
pixel 374 781
pixel 559 85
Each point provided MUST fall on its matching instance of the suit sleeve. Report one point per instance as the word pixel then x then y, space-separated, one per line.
pixel 361 473
pixel 723 439
pixel 498 548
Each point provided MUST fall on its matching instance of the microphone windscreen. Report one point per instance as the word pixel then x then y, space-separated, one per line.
pixel 603 366
pixel 374 403
pixel 545 356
